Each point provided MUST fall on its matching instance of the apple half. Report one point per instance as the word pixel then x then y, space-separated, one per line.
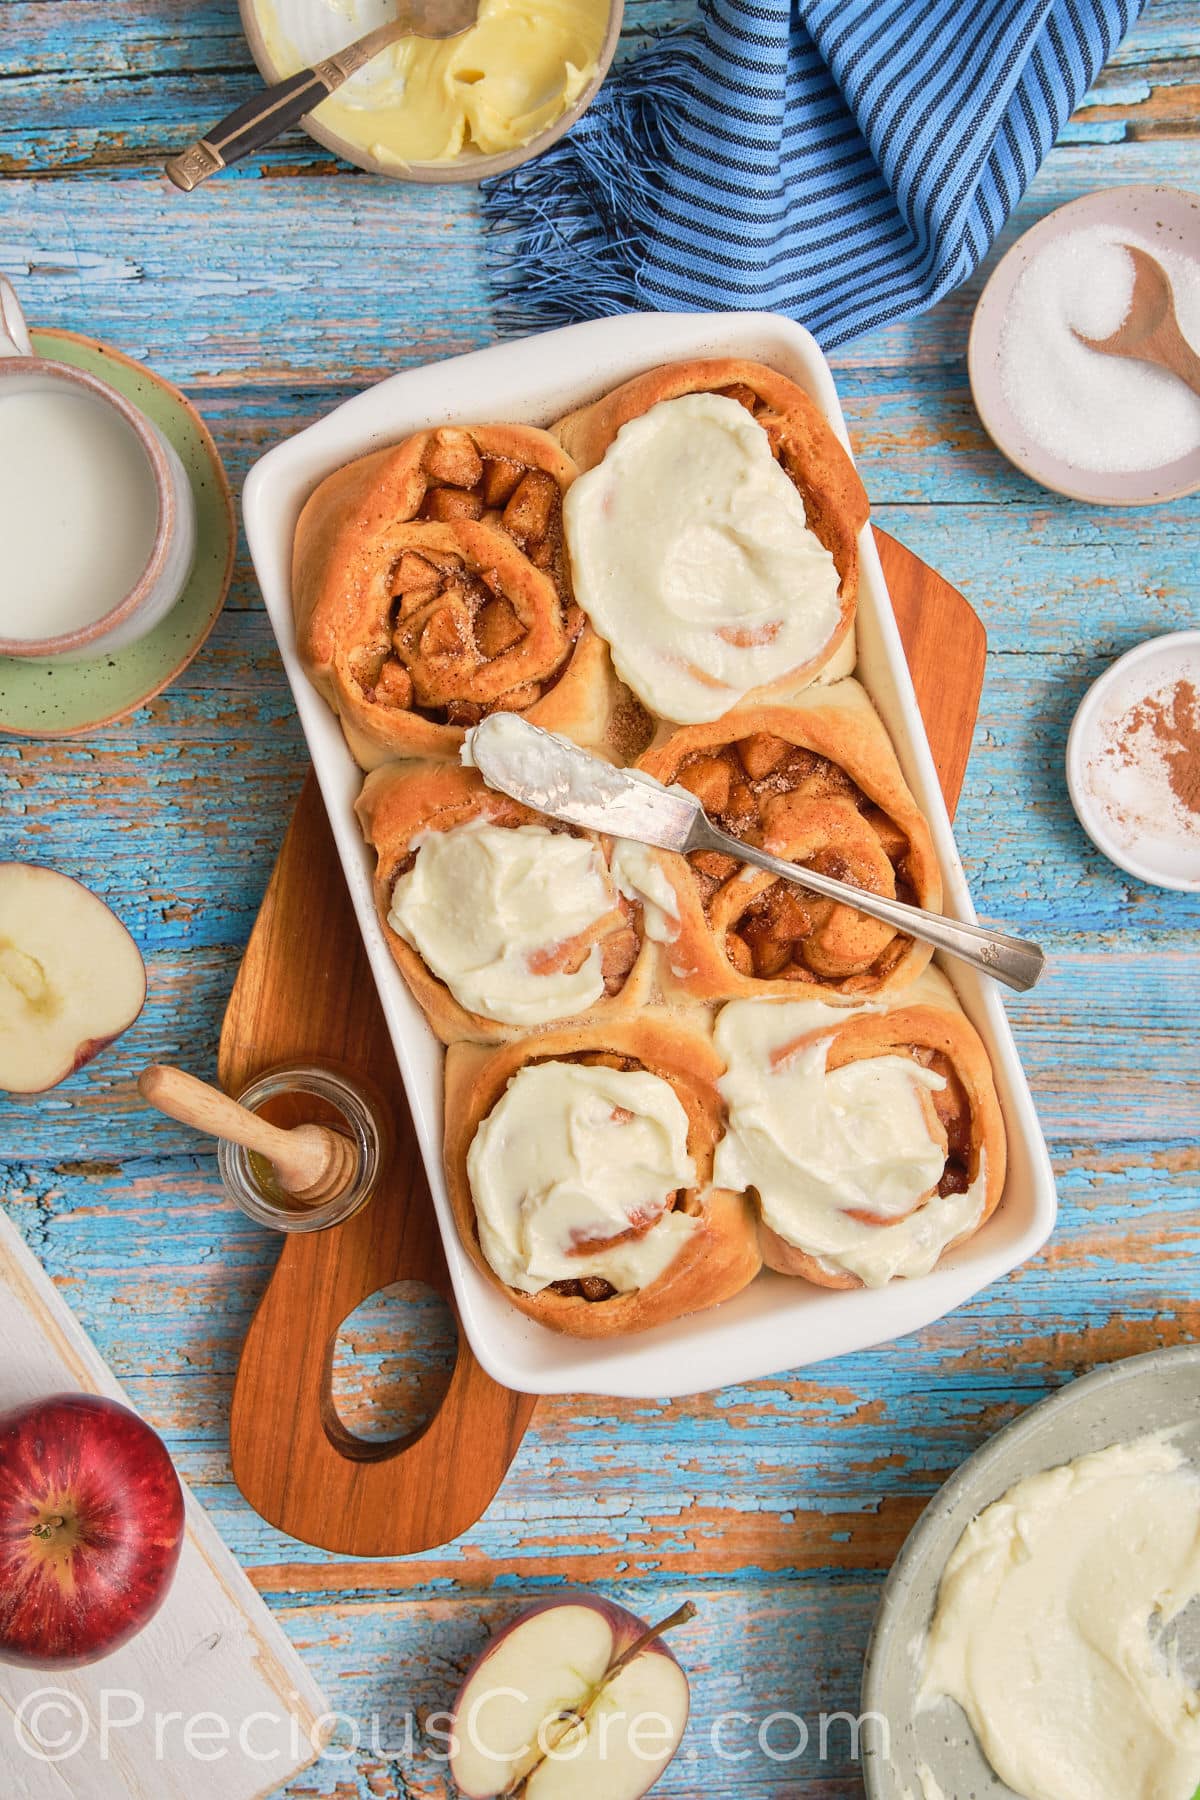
pixel 576 1699
pixel 71 977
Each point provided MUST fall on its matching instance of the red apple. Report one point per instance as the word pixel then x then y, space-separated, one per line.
pixel 91 1526
pixel 576 1699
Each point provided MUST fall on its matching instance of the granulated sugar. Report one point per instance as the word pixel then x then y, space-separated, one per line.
pixel 1094 411
pixel 1142 767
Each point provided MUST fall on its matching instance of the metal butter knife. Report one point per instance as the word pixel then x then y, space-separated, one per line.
pixel 552 775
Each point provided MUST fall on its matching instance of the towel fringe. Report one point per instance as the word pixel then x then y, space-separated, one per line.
pixel 566 233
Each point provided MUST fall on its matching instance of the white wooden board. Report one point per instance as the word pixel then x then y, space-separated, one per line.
pixel 210 1702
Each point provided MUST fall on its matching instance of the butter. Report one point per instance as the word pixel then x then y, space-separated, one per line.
pixel 821 1146
pixel 491 910
pixel 692 556
pixel 573 1156
pixel 1049 1621
pixel 492 89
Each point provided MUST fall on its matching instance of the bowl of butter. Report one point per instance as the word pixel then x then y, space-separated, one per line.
pixel 455 109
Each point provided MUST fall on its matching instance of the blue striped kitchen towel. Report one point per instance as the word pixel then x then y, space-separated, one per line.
pixel 845 162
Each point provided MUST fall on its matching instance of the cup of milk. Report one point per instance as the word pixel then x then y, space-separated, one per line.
pixel 97 515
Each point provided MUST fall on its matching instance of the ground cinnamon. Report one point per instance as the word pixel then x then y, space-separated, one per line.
pixel 1142 770
pixel 1173 721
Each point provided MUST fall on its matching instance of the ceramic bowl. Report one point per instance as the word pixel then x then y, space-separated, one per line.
pixel 468 166
pixel 776 1323
pixel 173 550
pixel 1125 1400
pixel 1156 663
pixel 1168 215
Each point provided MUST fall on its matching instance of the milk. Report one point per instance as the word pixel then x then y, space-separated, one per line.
pixel 78 510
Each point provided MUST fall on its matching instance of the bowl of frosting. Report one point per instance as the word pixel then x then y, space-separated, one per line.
pixel 1094 427
pixel 1039 1632
pixel 456 109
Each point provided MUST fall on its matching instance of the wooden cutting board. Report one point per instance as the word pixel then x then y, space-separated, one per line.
pixel 305 992
pixel 118 1729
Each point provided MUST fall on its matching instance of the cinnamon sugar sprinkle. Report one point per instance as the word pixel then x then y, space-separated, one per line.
pixel 1145 769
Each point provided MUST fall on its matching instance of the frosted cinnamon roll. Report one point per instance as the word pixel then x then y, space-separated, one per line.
pixel 431 587
pixel 713 537
pixel 579 1166
pixel 873 1141
pixel 498 921
pixel 819 785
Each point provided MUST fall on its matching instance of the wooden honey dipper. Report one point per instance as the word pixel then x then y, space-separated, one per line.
pixel 312 1163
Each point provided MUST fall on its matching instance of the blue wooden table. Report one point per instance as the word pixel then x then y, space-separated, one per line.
pixel 270 296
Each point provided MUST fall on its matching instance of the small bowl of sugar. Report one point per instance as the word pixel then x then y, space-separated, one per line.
pixel 1094 427
pixel 1133 762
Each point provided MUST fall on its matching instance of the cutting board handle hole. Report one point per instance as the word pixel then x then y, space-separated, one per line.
pixel 389 1367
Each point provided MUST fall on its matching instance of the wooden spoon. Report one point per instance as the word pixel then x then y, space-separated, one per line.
pixel 1150 332
pixel 312 1163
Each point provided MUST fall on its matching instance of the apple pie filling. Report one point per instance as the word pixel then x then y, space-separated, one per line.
pixel 462 637
pixel 525 502
pixel 800 806
pixel 579 1176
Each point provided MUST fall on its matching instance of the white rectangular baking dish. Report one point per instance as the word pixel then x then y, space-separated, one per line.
pixel 776 1324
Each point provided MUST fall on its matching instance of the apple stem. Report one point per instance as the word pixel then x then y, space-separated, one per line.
pixel 680 1616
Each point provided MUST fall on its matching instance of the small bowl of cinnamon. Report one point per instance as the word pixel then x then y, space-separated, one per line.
pixel 1133 762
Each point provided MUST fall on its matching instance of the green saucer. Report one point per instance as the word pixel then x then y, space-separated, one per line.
pixel 60 699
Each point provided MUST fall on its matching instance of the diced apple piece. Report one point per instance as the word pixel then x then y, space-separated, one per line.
pixel 71 977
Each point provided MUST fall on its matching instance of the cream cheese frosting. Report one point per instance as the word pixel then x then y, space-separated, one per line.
pixel 493 88
pixel 551 774
pixel 692 555
pixel 821 1146
pixel 546 768
pixel 492 910
pixel 640 877
pixel 571 1158
pixel 1049 1627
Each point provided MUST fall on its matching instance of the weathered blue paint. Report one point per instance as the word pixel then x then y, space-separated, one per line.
pixel 270 296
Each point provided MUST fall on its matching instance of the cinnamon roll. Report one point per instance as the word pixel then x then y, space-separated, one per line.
pixel 498 921
pixel 714 535
pixel 819 785
pixel 873 1141
pixel 579 1167
pixel 431 587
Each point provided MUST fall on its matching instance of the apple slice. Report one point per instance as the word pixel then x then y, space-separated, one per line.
pixel 71 977
pixel 575 1699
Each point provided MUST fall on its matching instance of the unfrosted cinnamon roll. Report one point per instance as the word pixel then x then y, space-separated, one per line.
pixel 873 1141
pixel 498 921
pixel 714 534
pixel 819 785
pixel 431 587
pixel 579 1167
